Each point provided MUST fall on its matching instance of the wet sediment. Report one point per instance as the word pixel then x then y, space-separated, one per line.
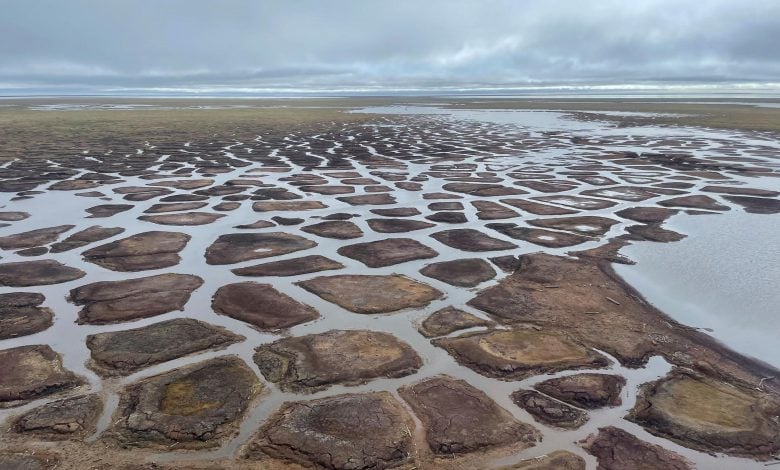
pixel 418 292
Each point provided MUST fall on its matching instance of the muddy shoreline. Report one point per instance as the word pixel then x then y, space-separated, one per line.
pixel 755 367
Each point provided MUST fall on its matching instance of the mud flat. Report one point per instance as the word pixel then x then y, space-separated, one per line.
pixel 261 306
pixel 62 419
pixel 237 247
pixel 520 353
pixel 448 320
pixel 549 411
pixel 429 287
pixel 141 252
pixel 589 391
pixel 37 273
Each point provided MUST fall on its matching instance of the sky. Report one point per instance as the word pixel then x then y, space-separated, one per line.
pixel 253 46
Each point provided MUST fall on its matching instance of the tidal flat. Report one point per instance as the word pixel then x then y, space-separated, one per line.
pixel 351 283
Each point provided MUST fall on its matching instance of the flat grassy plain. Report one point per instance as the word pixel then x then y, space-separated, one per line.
pixel 28 132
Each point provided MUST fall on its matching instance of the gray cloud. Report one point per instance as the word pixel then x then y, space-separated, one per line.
pixel 98 45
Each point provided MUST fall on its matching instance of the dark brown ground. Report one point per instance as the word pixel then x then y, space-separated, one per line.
pixel 449 319
pixel 261 306
pixel 68 418
pixel 31 372
pixel 315 362
pixel 589 391
pixel 236 247
pixel 189 408
pixel 37 273
pixel 21 314
pixel 357 431
pixel 616 449
pixel 549 411
pixel 519 353
pixel 372 294
pixel 116 301
pixel 147 250
pixel 127 351
pixel 459 419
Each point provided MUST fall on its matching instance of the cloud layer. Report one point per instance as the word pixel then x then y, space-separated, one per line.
pixel 98 45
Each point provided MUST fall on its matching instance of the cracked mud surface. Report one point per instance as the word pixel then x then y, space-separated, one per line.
pixel 398 291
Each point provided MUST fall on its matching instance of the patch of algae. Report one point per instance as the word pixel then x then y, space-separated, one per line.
pixel 181 398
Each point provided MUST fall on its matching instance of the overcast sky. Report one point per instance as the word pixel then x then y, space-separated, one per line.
pixel 104 45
